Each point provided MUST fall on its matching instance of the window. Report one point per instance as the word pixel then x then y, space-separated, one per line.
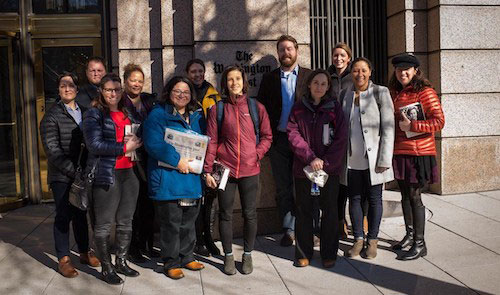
pixel 9 5
pixel 66 6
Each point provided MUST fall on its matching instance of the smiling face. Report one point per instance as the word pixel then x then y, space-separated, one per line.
pixel 180 95
pixel 287 53
pixel 340 59
pixel 112 93
pixel 196 74
pixel 361 74
pixel 95 71
pixel 67 89
pixel 405 76
pixel 235 83
pixel 318 87
pixel 134 83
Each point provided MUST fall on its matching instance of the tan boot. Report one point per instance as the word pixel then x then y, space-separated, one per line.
pixel 356 249
pixel 371 249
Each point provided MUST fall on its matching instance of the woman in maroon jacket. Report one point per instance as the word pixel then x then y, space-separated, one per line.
pixel 318 137
pixel 236 147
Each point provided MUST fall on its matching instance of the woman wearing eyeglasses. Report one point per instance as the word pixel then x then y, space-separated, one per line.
pixel 175 191
pixel 116 186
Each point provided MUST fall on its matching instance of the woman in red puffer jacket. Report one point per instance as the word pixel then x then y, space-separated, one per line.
pixel 418 114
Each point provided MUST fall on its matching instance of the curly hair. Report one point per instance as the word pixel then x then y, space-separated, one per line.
pixel 167 90
pixel 418 82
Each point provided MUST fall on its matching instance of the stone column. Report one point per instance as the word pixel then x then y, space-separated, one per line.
pixel 457 42
pixel 464 54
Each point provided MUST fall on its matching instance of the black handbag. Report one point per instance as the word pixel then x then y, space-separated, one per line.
pixel 82 185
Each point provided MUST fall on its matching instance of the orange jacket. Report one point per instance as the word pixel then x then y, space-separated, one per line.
pixel 424 144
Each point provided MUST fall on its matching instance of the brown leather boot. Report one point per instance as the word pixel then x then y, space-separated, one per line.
pixel 66 268
pixel 89 259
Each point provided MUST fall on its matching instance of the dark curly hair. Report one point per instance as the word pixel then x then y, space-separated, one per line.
pixel 418 82
pixel 167 90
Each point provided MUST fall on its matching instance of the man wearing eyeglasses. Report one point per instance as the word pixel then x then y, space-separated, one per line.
pixel 95 70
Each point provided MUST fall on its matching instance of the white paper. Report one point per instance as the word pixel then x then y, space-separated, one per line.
pixel 131 129
pixel 190 145
pixel 319 177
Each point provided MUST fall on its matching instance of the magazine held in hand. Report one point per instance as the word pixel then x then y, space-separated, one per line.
pixel 413 112
pixel 189 145
pixel 220 175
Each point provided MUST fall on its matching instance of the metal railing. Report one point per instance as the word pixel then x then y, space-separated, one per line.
pixel 359 23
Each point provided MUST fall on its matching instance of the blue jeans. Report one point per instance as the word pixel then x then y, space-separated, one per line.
pixel 359 189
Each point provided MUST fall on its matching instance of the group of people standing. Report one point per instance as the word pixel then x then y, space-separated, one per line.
pixel 337 121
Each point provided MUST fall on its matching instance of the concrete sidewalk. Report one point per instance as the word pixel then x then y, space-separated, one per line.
pixel 462 235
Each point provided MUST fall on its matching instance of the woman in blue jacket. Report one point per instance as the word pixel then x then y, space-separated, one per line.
pixel 116 186
pixel 176 192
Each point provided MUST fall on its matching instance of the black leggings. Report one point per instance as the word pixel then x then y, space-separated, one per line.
pixel 115 203
pixel 411 194
pixel 247 187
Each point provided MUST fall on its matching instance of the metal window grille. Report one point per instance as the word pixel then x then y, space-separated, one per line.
pixel 359 23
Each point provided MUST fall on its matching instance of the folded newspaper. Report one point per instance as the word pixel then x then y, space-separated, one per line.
pixel 132 129
pixel 319 177
pixel 190 145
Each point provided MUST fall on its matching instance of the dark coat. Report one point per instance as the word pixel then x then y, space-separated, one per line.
pixel 305 134
pixel 61 138
pixel 86 94
pixel 343 81
pixel 270 93
pixel 100 137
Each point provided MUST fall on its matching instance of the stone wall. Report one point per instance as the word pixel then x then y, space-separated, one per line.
pixel 162 35
pixel 458 44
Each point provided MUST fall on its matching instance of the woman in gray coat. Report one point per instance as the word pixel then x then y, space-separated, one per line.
pixel 368 161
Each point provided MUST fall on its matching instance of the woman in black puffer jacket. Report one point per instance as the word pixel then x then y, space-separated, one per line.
pixel 116 186
pixel 62 141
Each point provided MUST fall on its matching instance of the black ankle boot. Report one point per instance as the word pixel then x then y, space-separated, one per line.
pixel 418 249
pixel 122 244
pixel 108 272
pixel 201 250
pixel 406 241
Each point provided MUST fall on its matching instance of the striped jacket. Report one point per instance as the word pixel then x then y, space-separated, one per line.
pixel 422 145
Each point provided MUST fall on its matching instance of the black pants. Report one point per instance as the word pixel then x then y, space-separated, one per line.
pixel 206 218
pixel 247 187
pixel 144 220
pixel 177 232
pixel 115 203
pixel 66 213
pixel 304 219
pixel 281 157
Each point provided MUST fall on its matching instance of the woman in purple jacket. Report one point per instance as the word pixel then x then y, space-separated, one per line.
pixel 318 137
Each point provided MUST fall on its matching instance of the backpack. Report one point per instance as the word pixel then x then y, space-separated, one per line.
pixel 254 114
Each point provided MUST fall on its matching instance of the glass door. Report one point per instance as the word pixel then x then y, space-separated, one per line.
pixel 10 154
pixel 52 56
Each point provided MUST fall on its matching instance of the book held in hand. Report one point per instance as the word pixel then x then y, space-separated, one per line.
pixel 220 174
pixel 190 145
pixel 413 112
pixel 132 129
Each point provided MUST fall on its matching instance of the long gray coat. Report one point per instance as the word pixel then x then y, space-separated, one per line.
pixel 377 122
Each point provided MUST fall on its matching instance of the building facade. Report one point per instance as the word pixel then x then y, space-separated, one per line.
pixel 457 42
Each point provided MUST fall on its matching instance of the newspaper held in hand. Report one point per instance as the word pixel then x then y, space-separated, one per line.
pixel 413 112
pixel 220 174
pixel 132 129
pixel 319 177
pixel 190 145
